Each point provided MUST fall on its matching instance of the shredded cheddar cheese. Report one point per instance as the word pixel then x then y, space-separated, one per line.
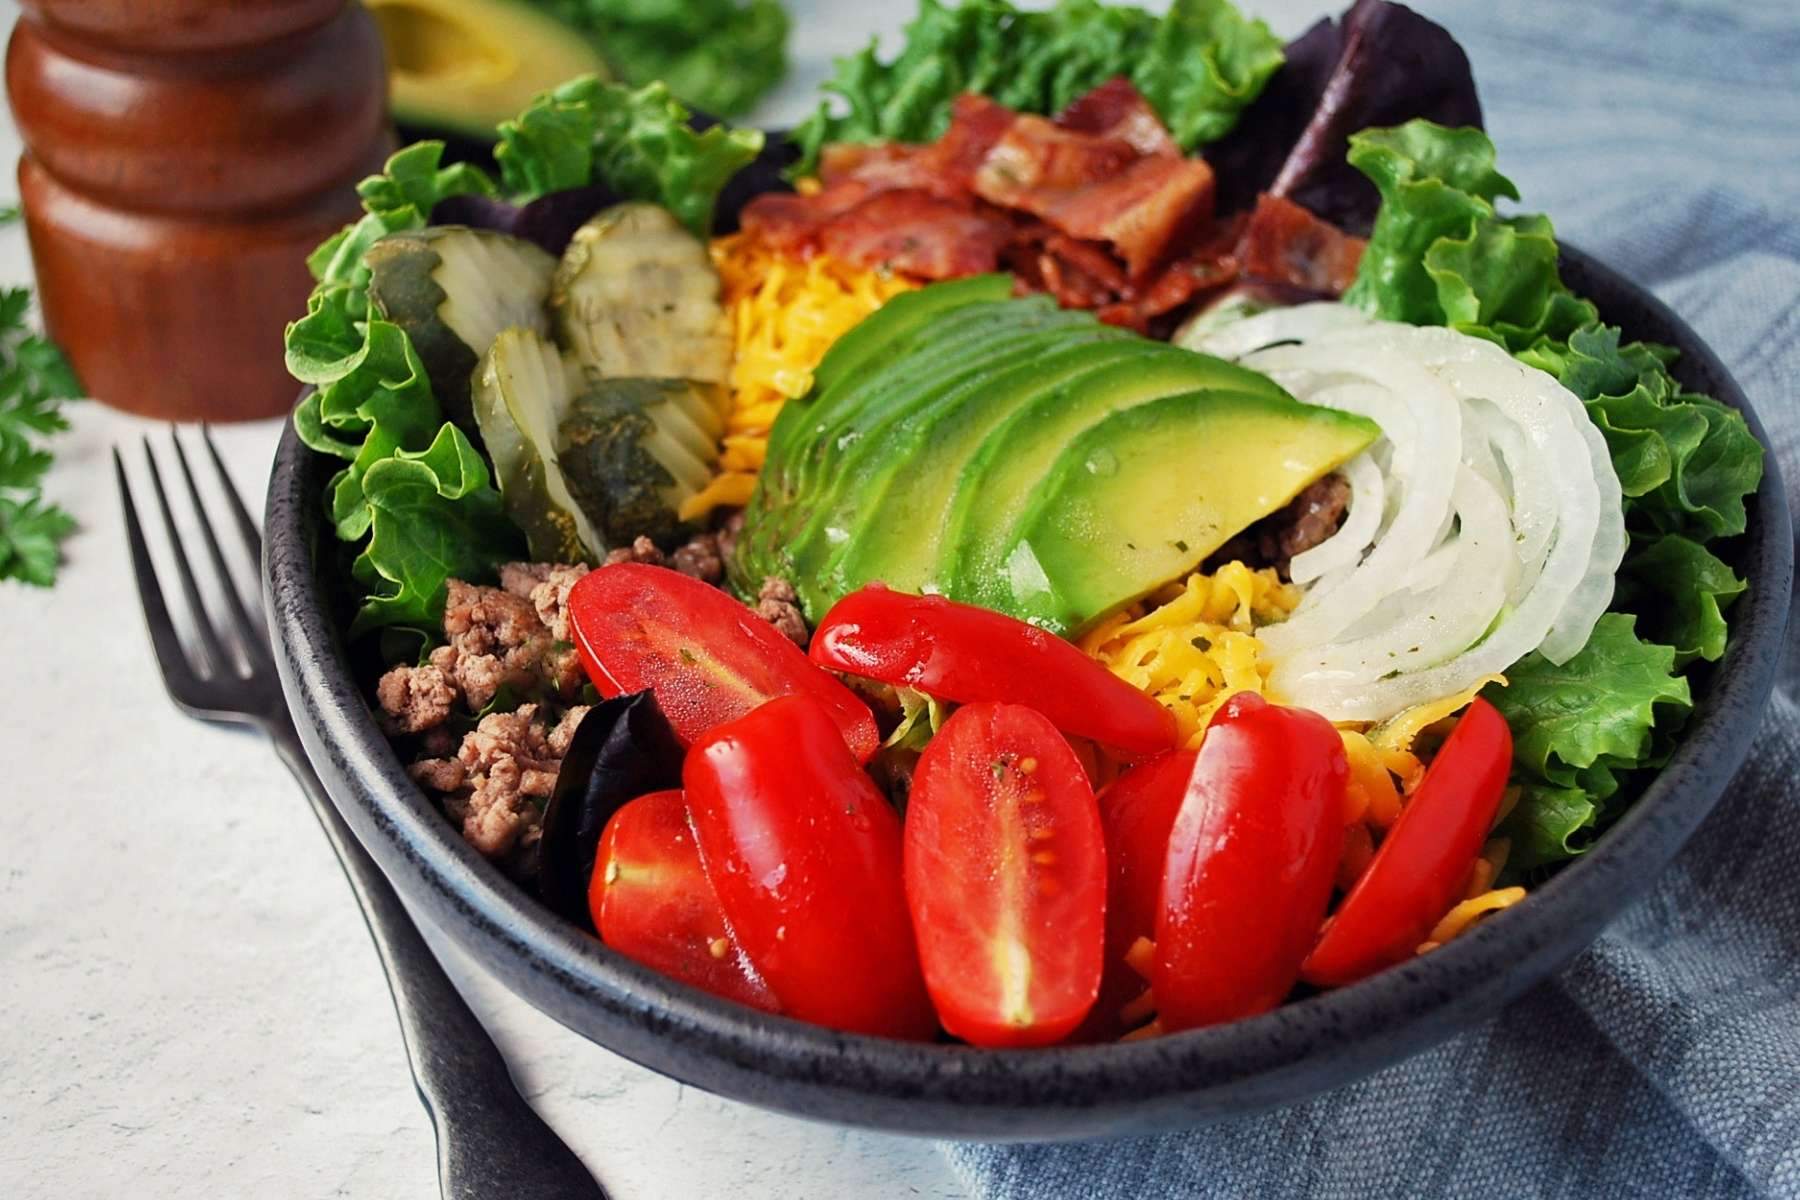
pixel 784 316
pixel 1398 732
pixel 1192 646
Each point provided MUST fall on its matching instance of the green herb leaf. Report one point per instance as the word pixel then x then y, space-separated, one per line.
pixel 35 379
pixel 30 532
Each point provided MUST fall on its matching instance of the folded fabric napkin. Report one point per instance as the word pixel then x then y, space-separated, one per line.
pixel 1664 137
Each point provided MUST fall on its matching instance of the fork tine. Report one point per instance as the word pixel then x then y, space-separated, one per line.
pixel 220 660
pixel 254 644
pixel 246 525
pixel 178 673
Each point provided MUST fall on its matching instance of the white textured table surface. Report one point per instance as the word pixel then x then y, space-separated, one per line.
pixel 189 1005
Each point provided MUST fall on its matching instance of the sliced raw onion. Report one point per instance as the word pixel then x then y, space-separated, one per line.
pixel 1368 500
pixel 1484 524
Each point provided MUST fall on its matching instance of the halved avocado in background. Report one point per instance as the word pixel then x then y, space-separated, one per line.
pixel 467 65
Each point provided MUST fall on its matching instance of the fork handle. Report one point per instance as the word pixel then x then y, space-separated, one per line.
pixel 489 1140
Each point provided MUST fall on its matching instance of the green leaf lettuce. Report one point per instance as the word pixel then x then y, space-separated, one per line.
pixel 721 56
pixel 1440 253
pixel 1199 64
pixel 372 405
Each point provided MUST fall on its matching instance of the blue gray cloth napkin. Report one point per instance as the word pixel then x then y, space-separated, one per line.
pixel 1663 136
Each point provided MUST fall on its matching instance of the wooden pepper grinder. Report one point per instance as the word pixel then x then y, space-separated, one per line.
pixel 182 157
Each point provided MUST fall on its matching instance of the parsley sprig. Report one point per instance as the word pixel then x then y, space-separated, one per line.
pixel 34 381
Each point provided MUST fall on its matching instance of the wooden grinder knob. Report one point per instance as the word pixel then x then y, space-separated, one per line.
pixel 182 157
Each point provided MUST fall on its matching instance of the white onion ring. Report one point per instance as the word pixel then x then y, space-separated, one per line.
pixel 1368 501
pixel 1485 523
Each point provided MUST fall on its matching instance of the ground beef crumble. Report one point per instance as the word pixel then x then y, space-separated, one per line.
pixel 494 778
pixel 1307 520
pixel 779 605
pixel 700 557
pixel 495 786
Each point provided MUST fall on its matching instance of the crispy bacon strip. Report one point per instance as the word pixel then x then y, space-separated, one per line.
pixel 918 233
pixel 1097 207
pixel 1285 243
pixel 1116 109
pixel 1035 155
pixel 1142 211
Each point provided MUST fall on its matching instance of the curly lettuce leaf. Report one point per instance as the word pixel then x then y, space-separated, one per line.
pixel 1577 725
pixel 436 516
pixel 1441 254
pixel 1680 590
pixel 1548 825
pixel 721 56
pixel 372 403
pixel 1685 461
pixel 1199 64
pixel 638 143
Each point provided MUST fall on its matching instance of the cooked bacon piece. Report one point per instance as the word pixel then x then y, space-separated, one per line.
pixel 1143 211
pixel 1097 207
pixel 1072 286
pixel 1116 109
pixel 1090 258
pixel 1208 265
pixel 848 169
pixel 918 233
pixel 1284 243
pixel 944 168
pixel 976 124
pixel 1035 155
pixel 789 222
pixel 854 160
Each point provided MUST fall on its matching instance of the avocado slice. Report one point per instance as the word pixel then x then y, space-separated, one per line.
pixel 877 338
pixel 1000 481
pixel 841 488
pixel 943 347
pixel 800 476
pixel 899 537
pixel 879 331
pixel 467 65
pixel 1144 495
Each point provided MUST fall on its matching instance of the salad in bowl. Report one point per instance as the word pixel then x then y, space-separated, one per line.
pixel 1108 528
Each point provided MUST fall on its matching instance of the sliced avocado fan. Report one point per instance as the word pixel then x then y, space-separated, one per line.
pixel 1028 459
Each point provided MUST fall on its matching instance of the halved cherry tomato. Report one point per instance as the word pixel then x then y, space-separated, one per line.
pixel 967 654
pixel 651 901
pixel 1137 810
pixel 805 855
pixel 1251 861
pixel 1006 877
pixel 708 658
pixel 1425 860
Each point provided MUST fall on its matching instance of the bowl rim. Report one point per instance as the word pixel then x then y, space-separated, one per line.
pixel 1279 1057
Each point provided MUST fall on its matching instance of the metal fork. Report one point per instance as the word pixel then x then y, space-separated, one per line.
pixel 489 1141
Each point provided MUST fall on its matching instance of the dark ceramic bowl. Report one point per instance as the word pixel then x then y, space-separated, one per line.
pixel 963 1092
